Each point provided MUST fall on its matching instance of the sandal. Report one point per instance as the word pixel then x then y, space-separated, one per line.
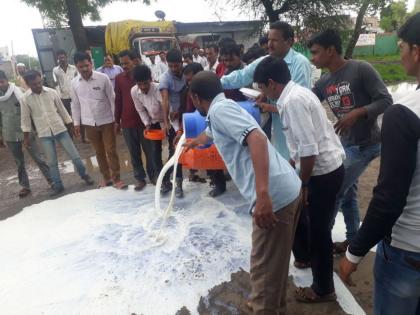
pixel 248 304
pixel 307 295
pixel 302 265
pixel 119 184
pixel 104 184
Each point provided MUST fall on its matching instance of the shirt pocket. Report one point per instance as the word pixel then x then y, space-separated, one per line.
pixel 97 93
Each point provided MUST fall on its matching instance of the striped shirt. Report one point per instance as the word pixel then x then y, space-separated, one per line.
pixel 307 129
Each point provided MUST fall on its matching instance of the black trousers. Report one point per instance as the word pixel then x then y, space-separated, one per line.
pixel 323 191
pixel 135 141
pixel 171 137
pixel 218 178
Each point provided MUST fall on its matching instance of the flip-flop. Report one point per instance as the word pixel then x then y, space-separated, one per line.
pixel 119 184
pixel 302 265
pixel 307 295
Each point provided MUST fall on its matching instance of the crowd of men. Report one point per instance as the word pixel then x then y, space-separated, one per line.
pixel 296 169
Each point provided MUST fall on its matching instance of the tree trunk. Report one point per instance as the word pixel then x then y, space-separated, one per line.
pixel 76 25
pixel 357 29
pixel 273 15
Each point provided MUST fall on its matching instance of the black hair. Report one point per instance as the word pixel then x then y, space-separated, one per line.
pixel 230 49
pixel 188 55
pixel 263 40
pixel 206 85
pixel 31 75
pixel 162 52
pixel 109 55
pixel 272 68
pixel 326 39
pixel 61 52
pixel 253 53
pixel 3 75
pixel 142 73
pixel 226 41
pixel 215 47
pixel 127 53
pixel 194 67
pixel 174 55
pixel 410 31
pixel 81 56
pixel 285 28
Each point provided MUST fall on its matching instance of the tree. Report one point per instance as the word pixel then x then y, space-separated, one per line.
pixel 271 10
pixel 364 6
pixel 71 12
pixel 393 16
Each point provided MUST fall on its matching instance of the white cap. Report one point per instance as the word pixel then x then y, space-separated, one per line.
pixel 20 65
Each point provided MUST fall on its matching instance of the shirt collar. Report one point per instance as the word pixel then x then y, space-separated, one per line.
pixel 286 91
pixel 92 77
pixel 44 90
pixel 288 58
pixel 219 97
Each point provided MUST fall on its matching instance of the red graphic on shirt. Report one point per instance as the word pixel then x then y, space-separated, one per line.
pixel 340 98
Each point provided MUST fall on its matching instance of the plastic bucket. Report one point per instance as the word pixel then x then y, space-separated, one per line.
pixel 154 134
pixel 194 125
pixel 202 159
pixel 250 107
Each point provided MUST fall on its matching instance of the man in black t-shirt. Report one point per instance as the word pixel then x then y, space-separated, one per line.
pixel 357 96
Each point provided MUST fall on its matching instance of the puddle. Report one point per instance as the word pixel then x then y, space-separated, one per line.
pixel 399 90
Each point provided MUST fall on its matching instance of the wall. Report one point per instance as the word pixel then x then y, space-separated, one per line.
pixel 385 44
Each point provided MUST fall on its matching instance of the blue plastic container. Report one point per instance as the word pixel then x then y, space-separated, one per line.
pixel 195 124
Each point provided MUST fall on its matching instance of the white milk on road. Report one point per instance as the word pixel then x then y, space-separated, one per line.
pixel 96 252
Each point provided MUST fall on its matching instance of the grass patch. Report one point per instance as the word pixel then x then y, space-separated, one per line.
pixel 392 73
pixel 380 59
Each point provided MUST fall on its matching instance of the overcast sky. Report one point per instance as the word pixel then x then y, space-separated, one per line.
pixel 17 19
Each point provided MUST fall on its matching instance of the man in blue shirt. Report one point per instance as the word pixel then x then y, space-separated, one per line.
pixel 280 43
pixel 172 82
pixel 264 178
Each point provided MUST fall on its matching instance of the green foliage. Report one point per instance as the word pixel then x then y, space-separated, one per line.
pixel 29 61
pixel 393 15
pixel 56 11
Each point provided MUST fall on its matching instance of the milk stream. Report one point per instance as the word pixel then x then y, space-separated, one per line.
pixel 173 161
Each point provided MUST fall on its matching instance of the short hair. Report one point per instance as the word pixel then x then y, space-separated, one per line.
pixel 272 68
pixel 81 56
pixel 194 67
pixel 206 85
pixel 162 52
pixel 230 49
pixel 108 55
pixel 174 55
pixel 188 55
pixel 142 73
pixel 31 75
pixel 226 41
pixel 326 39
pixel 253 53
pixel 61 52
pixel 3 75
pixel 215 47
pixel 410 31
pixel 285 28
pixel 127 53
pixel 263 40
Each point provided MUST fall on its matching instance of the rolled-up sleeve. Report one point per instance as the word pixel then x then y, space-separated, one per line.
pixel 164 82
pixel 25 116
pixel 298 115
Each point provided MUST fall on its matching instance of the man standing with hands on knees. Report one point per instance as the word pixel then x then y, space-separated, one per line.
pixel 92 104
pixel 264 178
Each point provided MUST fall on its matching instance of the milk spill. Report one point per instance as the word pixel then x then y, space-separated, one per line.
pixel 91 253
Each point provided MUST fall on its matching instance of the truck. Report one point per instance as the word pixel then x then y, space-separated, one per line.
pixel 147 37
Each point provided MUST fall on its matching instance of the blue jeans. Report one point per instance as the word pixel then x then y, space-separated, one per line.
pixel 48 143
pixel 397 281
pixel 357 160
